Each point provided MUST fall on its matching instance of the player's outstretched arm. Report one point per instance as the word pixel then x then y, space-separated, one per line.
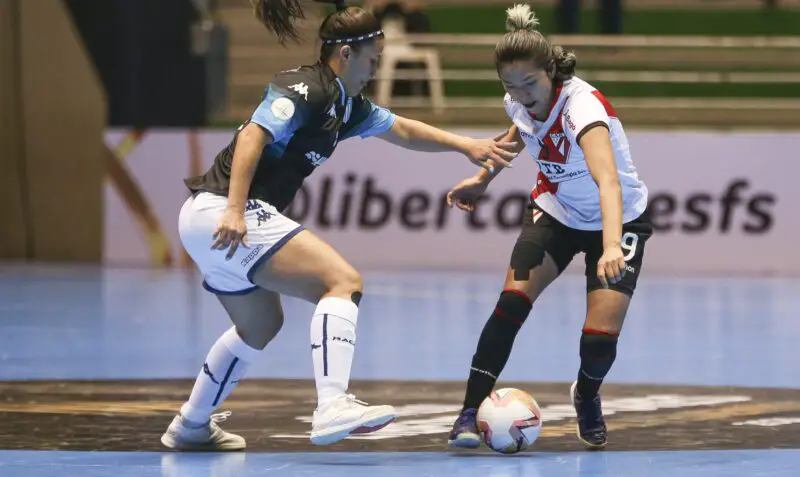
pixel 418 136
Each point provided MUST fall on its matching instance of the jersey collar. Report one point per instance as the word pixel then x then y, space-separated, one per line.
pixel 330 76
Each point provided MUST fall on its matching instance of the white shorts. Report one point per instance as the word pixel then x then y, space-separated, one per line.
pixel 267 231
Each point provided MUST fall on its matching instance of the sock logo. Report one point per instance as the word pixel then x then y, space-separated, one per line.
pixel 315 346
pixel 590 377
pixel 483 371
pixel 209 373
pixel 343 340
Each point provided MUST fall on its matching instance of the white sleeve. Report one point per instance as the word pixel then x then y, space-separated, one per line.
pixel 583 112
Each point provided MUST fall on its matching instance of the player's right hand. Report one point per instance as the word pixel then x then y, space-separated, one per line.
pixel 466 193
pixel 488 153
pixel 230 232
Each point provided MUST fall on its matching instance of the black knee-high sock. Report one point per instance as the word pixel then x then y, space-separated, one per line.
pixel 598 351
pixel 494 345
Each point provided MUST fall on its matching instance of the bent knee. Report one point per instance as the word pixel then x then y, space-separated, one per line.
pixel 258 334
pixel 345 283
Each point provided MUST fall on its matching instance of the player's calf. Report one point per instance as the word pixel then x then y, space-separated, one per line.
pixel 495 344
pixel 598 351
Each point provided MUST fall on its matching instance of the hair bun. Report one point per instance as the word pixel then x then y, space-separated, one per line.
pixel 520 17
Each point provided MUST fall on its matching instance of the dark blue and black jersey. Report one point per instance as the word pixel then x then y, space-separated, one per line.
pixel 307 113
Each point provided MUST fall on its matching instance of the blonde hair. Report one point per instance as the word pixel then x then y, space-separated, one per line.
pixel 524 42
pixel 521 17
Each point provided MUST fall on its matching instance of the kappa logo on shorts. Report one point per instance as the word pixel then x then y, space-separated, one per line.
pixel 263 216
pixel 253 254
pixel 253 205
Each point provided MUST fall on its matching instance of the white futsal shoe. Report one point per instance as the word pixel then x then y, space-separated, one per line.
pixel 210 437
pixel 346 415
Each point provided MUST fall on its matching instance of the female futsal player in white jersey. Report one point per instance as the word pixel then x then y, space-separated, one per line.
pixel 249 253
pixel 587 198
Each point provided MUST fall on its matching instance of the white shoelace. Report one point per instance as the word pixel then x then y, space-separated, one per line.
pixel 221 417
pixel 351 397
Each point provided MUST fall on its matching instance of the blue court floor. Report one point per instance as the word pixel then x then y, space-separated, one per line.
pixel 69 323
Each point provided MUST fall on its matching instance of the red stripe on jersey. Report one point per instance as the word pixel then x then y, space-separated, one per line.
pixel 559 86
pixel 609 109
pixel 543 186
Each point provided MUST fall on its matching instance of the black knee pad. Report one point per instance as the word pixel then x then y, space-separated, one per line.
pixel 598 352
pixel 513 305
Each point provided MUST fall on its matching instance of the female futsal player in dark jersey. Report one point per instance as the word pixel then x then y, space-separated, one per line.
pixel 249 253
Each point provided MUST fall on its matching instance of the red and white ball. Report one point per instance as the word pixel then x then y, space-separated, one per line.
pixel 509 420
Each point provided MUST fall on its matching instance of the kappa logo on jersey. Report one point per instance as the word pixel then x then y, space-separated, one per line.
pixel 301 89
pixel 316 158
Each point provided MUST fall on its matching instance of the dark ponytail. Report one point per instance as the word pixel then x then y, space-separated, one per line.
pixel 347 25
pixel 280 17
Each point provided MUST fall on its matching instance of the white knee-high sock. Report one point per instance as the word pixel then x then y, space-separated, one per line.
pixel 225 365
pixel 333 340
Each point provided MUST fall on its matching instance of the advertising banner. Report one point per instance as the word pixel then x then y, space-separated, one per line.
pixel 720 202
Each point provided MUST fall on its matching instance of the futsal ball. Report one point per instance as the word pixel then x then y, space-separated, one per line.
pixel 509 420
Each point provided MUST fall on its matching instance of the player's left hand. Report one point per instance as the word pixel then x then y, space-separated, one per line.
pixel 611 267
pixel 489 153
pixel 466 193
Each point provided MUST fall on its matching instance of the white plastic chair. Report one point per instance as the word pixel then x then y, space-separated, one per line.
pixel 397 48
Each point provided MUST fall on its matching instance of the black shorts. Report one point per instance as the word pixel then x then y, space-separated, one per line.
pixel 562 243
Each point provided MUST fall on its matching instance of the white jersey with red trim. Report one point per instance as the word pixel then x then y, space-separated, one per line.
pixel 564 187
